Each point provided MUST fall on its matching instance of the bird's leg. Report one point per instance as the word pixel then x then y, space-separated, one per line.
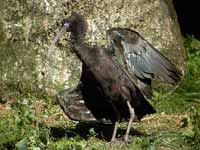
pixel 114 132
pixel 116 123
pixel 132 116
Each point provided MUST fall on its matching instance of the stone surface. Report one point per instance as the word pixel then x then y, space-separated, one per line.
pixel 33 25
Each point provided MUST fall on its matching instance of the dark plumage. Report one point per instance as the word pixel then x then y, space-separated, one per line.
pixel 72 103
pixel 113 87
pixel 141 59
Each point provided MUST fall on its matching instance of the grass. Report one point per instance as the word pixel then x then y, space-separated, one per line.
pixel 32 120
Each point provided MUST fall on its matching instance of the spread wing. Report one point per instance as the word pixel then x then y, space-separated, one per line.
pixel 73 105
pixel 141 58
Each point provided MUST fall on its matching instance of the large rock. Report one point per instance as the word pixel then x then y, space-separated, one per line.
pixel 35 24
pixel 155 20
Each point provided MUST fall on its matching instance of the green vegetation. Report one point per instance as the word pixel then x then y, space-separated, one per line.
pixel 31 119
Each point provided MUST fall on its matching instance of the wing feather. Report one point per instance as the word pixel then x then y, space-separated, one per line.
pixel 142 59
pixel 74 106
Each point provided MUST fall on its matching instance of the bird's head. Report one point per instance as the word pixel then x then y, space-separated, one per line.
pixel 75 24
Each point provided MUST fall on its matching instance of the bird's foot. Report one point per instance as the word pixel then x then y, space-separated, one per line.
pixel 126 141
pixel 112 143
pixel 118 143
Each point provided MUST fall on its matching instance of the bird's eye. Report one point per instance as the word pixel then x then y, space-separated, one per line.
pixel 66 25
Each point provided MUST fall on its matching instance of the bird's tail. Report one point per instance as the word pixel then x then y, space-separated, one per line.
pixel 142 106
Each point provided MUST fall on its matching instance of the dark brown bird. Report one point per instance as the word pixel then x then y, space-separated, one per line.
pixel 113 87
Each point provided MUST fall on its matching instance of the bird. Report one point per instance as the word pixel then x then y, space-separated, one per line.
pixel 116 88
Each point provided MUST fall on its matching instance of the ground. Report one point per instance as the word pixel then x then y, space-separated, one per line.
pixel 32 120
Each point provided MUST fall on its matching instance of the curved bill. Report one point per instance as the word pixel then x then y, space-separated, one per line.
pixel 58 36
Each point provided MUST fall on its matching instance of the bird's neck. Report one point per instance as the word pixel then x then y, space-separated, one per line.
pixel 76 38
pixel 84 52
pixel 78 46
